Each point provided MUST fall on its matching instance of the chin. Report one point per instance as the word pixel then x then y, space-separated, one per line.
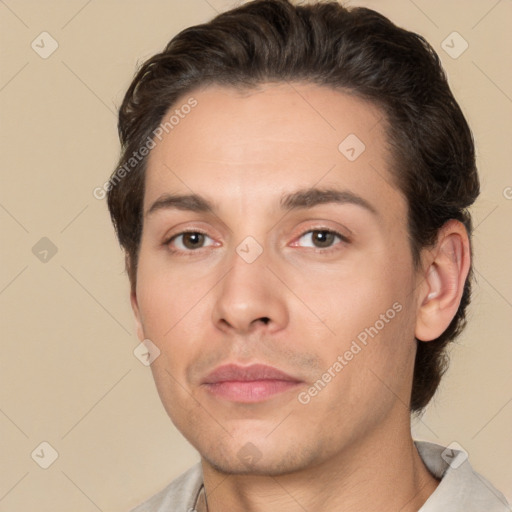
pixel 250 459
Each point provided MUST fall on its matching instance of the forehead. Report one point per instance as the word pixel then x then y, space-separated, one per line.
pixel 260 143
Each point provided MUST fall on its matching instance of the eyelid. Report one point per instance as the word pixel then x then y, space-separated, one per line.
pixel 188 227
pixel 171 238
pixel 344 238
pixel 336 232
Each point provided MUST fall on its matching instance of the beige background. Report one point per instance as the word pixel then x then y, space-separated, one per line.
pixel 67 369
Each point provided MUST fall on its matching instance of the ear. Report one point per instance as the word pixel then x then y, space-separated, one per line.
pixel 135 304
pixel 136 312
pixel 446 268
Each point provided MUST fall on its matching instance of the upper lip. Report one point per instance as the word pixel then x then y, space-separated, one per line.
pixel 234 372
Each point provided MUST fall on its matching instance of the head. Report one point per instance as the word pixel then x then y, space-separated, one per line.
pixel 245 111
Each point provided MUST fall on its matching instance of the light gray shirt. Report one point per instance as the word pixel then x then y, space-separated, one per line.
pixel 461 489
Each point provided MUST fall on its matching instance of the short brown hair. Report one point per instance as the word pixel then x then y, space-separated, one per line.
pixel 355 50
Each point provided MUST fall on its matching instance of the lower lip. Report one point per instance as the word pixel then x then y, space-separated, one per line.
pixel 250 391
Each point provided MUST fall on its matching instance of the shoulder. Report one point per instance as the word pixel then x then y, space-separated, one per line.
pixel 461 488
pixel 179 495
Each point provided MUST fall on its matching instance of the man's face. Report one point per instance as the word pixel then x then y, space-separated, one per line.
pixel 322 291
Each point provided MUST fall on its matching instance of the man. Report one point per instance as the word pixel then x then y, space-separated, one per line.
pixel 292 198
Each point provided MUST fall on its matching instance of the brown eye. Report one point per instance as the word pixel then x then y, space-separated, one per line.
pixel 323 238
pixel 193 240
pixel 320 238
pixel 189 241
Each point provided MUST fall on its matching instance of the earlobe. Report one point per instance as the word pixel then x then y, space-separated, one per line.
pixel 444 280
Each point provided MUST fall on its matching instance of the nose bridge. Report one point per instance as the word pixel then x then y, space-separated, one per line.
pixel 248 291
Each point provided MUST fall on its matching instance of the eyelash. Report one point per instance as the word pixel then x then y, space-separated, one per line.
pixel 325 250
pixel 190 252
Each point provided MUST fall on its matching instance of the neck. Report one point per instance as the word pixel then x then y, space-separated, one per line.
pixel 380 472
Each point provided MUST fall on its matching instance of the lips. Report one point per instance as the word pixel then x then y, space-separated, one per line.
pixel 246 384
pixel 233 372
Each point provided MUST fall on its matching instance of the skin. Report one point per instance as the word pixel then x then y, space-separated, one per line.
pixel 349 448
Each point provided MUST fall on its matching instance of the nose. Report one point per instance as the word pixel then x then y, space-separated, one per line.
pixel 249 298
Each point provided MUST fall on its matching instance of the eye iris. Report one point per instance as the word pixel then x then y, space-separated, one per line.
pixel 324 238
pixel 193 240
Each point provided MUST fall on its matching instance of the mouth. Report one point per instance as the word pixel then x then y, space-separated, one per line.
pixel 248 384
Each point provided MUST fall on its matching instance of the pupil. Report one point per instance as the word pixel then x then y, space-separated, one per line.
pixel 192 240
pixel 324 238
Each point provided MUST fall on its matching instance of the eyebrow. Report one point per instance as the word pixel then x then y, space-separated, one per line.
pixel 300 199
pixel 310 197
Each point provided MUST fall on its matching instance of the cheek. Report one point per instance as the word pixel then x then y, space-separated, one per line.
pixel 370 315
pixel 166 307
pixel 169 304
pixel 167 297
pixel 353 297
